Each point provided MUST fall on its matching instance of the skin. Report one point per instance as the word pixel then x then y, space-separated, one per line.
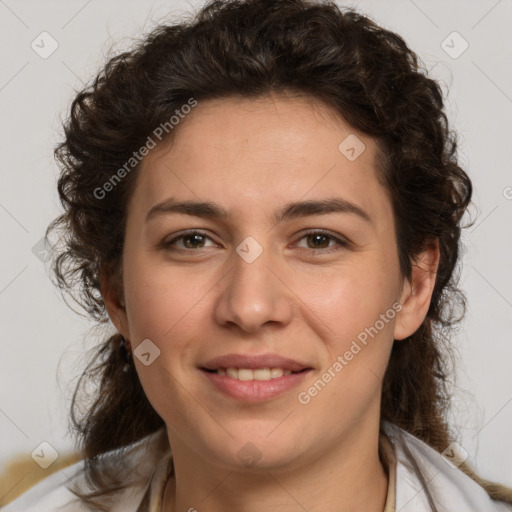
pixel 251 156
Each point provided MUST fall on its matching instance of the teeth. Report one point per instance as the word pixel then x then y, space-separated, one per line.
pixel 232 372
pixel 257 374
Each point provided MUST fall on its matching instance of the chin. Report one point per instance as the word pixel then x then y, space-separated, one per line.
pixel 263 453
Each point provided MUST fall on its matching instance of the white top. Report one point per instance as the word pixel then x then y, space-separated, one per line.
pixel 452 490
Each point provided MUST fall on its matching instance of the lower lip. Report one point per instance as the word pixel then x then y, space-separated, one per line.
pixel 255 390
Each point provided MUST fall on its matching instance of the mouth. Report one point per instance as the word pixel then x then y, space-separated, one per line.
pixel 254 378
pixel 260 374
pixel 254 384
pixel 258 363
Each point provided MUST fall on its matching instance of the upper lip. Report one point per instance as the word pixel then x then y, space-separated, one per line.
pixel 254 361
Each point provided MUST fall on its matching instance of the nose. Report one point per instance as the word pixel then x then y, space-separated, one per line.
pixel 253 294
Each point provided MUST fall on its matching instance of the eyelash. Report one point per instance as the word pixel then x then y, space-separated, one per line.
pixel 167 245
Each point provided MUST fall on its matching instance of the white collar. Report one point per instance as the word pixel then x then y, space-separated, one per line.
pixel 451 489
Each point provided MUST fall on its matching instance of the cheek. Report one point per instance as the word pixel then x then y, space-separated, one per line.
pixel 358 309
pixel 161 302
pixel 166 308
pixel 349 299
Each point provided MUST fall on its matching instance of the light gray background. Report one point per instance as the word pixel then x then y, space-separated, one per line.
pixel 42 338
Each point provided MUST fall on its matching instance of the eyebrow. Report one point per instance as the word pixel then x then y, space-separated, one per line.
pixel 289 211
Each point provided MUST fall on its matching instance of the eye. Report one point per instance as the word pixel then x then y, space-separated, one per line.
pixel 317 241
pixel 185 241
pixel 320 240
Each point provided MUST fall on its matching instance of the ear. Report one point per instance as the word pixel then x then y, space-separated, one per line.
pixel 417 293
pixel 112 292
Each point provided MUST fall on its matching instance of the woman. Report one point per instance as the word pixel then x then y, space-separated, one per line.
pixel 265 201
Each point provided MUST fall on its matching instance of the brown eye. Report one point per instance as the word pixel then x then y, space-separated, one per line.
pixel 318 241
pixel 192 240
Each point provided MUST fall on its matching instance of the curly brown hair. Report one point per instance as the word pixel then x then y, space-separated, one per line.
pixel 251 48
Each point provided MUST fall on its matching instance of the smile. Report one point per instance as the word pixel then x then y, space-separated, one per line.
pixel 246 374
pixel 254 385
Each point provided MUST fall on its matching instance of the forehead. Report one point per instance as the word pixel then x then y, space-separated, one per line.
pixel 269 127
pixel 248 153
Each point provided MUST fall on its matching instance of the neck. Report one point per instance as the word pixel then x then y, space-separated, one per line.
pixel 352 476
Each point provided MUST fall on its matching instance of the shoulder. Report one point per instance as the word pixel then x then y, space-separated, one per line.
pixel 54 492
pixel 450 488
pixel 49 494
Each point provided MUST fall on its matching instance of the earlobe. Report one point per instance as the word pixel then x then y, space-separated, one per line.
pixel 417 293
pixel 114 303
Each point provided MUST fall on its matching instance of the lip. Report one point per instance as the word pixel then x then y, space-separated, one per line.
pixel 255 390
pixel 254 361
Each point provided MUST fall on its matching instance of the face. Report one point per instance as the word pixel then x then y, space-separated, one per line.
pixel 296 259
